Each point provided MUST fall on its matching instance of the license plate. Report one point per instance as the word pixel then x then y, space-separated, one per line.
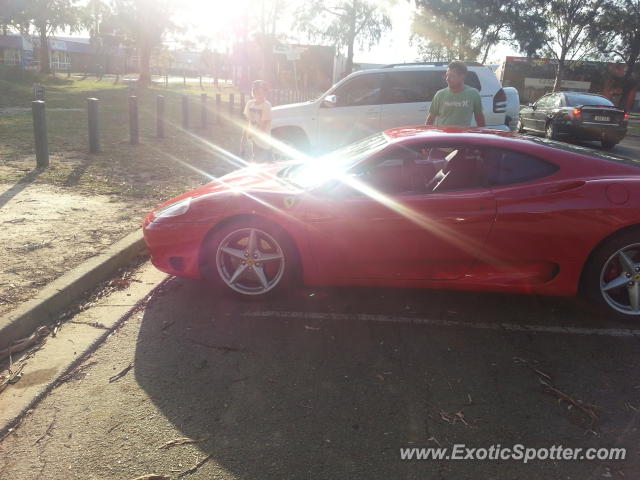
pixel 599 118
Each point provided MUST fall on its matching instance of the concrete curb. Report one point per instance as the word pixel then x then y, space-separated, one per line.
pixel 63 291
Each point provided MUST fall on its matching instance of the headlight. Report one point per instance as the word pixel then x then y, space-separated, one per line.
pixel 175 209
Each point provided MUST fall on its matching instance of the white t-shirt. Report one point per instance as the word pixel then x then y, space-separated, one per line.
pixel 257 113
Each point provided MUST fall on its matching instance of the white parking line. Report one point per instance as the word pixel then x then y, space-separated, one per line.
pixel 606 332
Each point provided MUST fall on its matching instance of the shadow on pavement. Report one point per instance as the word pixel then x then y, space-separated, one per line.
pixel 19 186
pixel 290 398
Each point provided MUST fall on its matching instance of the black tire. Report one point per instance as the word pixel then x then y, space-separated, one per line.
pixel 608 144
pixel 591 279
pixel 550 131
pixel 213 273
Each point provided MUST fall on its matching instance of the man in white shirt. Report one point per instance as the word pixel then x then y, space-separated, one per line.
pixel 258 128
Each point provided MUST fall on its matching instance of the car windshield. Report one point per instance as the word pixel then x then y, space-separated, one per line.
pixel 576 99
pixel 317 171
pixel 584 151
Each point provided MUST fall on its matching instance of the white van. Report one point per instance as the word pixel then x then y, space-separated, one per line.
pixel 369 101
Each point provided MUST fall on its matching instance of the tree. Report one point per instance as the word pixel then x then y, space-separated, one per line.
pixel 97 17
pixel 620 40
pixel 568 31
pixel 48 16
pixel 469 29
pixel 343 22
pixel 144 23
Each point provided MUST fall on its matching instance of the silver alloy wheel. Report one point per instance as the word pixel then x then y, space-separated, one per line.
pixel 620 280
pixel 250 261
pixel 550 132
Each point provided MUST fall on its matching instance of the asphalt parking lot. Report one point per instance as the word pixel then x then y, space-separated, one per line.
pixel 332 383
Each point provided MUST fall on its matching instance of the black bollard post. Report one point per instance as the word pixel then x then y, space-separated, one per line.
pixel 231 100
pixel 38 108
pixel 134 132
pixel 218 107
pixel 93 124
pixel 203 110
pixel 185 112
pixel 160 116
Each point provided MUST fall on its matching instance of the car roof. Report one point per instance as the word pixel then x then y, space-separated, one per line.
pixel 413 68
pixel 487 136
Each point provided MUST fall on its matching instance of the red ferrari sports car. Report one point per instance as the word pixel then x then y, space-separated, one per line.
pixel 422 207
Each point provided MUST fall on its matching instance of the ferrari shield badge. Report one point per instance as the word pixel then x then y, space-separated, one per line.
pixel 290 202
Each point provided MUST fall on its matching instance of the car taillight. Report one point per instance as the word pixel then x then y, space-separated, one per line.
pixel 626 116
pixel 577 113
pixel 500 102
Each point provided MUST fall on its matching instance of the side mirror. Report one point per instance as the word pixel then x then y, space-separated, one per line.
pixel 532 106
pixel 330 101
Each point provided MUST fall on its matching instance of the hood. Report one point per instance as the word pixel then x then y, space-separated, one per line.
pixel 262 178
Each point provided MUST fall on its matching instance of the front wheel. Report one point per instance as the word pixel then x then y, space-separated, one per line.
pixel 550 131
pixel 252 258
pixel 612 278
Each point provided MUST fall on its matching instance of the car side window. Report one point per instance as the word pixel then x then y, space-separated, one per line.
pixel 507 167
pixel 361 90
pixel 412 87
pixel 543 102
pixel 472 80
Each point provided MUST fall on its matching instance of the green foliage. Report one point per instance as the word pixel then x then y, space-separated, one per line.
pixel 620 41
pixel 143 24
pixel 343 23
pixel 468 29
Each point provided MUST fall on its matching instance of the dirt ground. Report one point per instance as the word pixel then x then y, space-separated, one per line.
pixel 47 230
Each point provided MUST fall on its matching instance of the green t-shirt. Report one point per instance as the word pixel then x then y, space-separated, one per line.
pixel 456 108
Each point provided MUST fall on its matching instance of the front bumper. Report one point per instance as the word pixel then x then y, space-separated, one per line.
pixel 175 247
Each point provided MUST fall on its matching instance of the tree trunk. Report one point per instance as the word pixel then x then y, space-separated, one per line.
pixel 627 81
pixel 351 38
pixel 559 73
pixel 45 66
pixel 486 54
pixel 144 64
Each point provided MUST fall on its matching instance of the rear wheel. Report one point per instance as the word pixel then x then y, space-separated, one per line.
pixel 612 278
pixel 250 258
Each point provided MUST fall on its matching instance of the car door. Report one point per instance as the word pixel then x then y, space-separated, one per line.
pixel 527 192
pixel 378 227
pixel 407 95
pixel 540 113
pixel 355 114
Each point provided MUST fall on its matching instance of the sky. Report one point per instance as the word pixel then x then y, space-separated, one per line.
pixel 204 17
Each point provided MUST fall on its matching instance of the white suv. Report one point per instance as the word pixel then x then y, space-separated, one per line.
pixel 372 100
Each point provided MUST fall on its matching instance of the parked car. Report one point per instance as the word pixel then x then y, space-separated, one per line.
pixel 373 100
pixel 577 115
pixel 424 207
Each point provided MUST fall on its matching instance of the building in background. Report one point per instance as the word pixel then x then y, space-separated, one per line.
pixel 535 77
pixel 66 54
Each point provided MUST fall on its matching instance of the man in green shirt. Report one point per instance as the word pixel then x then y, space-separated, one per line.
pixel 456 104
